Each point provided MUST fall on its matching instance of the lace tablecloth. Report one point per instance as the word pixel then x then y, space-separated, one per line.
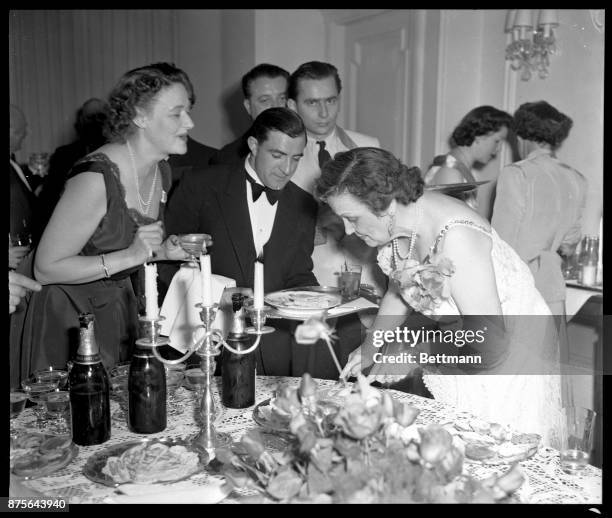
pixel 545 483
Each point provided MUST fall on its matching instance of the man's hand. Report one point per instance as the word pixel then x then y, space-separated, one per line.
pixel 18 287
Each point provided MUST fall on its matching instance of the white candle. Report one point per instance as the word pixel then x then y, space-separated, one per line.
pixel 206 280
pixel 151 290
pixel 258 285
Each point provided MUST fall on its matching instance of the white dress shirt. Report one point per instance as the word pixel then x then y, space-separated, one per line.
pixel 261 212
pixel 308 170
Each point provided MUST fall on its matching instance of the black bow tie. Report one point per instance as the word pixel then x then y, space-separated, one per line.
pixel 256 188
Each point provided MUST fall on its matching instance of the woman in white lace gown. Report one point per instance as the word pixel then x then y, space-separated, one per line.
pixel 382 201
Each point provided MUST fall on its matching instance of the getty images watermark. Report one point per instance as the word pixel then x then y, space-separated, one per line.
pixel 411 337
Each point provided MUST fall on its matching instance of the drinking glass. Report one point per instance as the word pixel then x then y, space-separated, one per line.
pixel 51 373
pixel 192 244
pixel 350 277
pixel 17 402
pixel 174 377
pixel 58 415
pixel 577 438
pixel 38 163
pixel 35 388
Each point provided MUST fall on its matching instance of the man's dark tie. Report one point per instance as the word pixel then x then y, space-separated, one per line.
pixel 324 155
pixel 256 188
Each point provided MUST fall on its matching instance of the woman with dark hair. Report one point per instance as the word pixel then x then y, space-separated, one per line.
pixel 540 200
pixel 445 261
pixel 108 223
pixel 476 139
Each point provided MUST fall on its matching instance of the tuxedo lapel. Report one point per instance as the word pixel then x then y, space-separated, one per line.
pixel 235 213
pixel 284 227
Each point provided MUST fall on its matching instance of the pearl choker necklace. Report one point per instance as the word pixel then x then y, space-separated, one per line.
pixel 144 205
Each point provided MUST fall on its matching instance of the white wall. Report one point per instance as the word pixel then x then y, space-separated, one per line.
pixel 470 73
pixel 289 37
pixel 198 52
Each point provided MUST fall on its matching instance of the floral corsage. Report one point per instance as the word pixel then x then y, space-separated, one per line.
pixel 424 286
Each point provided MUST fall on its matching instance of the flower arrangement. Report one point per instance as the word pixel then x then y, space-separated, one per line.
pixel 425 285
pixel 367 449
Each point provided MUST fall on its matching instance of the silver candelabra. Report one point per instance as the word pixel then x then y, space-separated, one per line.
pixel 207 345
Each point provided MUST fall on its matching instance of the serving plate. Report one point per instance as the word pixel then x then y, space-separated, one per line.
pixel 95 464
pixel 455 188
pixel 35 454
pixel 307 301
pixel 265 415
pixel 502 447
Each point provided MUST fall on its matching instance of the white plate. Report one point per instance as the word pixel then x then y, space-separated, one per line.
pixel 302 301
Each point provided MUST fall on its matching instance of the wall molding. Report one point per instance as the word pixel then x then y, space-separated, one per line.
pixel 345 16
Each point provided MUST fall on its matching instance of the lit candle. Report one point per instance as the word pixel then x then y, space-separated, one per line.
pixel 258 285
pixel 151 290
pixel 206 280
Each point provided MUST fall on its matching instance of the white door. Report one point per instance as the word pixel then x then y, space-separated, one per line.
pixel 384 78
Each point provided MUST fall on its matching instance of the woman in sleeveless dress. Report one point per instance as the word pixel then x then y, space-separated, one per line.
pixel 476 139
pixel 106 225
pixel 445 261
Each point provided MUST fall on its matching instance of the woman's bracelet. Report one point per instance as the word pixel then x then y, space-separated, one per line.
pixel 106 274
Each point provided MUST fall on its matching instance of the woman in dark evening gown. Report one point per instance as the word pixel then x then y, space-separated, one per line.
pixel 107 224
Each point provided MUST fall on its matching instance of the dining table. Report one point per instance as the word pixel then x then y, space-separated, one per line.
pixel 544 483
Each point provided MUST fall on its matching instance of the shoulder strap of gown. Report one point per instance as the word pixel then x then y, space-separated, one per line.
pixel 454 223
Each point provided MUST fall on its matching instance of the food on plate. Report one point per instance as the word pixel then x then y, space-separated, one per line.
pixel 526 438
pixel 152 462
pixel 509 449
pixel 303 300
pixel 494 443
pixel 38 454
pixel 478 451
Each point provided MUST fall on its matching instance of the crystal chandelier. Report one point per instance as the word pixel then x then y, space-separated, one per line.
pixel 529 47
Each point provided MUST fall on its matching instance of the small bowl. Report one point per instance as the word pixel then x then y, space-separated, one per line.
pixel 194 377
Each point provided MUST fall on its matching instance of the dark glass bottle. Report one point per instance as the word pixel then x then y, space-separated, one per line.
pixel 89 389
pixel 146 391
pixel 238 370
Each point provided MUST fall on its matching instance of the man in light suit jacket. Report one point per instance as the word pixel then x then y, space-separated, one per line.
pixel 314 93
pixel 250 208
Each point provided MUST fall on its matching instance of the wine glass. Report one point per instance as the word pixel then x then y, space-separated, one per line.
pixel 192 244
pixel 18 402
pixel 38 163
pixel 35 388
pixel 51 373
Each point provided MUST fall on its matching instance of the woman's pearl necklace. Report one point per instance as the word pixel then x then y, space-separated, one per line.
pixel 144 205
pixel 413 235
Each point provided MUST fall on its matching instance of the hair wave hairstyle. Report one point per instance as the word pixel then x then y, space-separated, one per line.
pixel 137 88
pixel 372 175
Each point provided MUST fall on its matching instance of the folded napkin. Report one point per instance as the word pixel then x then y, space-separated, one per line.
pixel 182 318
pixel 186 492
pixel 359 304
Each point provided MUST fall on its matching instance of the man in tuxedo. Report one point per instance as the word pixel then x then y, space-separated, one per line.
pixel 251 209
pixel 263 87
pixel 198 156
pixel 314 94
